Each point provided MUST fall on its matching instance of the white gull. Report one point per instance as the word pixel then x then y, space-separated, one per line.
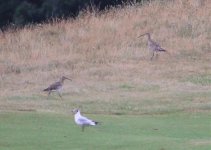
pixel 83 121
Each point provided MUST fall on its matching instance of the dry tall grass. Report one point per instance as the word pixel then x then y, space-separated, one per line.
pixel 109 65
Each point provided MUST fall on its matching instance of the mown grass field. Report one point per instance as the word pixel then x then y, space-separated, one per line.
pixel 33 131
pixel 161 104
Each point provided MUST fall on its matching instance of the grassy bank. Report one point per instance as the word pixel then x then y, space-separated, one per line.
pixel 109 65
pixel 156 132
pixel 163 104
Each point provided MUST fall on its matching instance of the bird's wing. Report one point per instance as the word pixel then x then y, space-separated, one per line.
pixel 86 121
pixel 155 44
pixel 54 86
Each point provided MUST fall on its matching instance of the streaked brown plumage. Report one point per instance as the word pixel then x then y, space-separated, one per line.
pixel 152 45
pixel 57 86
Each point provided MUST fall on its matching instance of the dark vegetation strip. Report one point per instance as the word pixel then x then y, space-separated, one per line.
pixel 18 13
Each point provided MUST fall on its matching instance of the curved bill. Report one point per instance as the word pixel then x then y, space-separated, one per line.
pixel 67 78
pixel 142 35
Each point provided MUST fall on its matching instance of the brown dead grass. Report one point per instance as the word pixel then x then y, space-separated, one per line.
pixel 104 57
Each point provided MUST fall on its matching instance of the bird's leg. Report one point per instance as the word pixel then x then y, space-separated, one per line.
pixel 59 95
pixel 49 92
pixel 156 56
pixel 82 128
pixel 152 55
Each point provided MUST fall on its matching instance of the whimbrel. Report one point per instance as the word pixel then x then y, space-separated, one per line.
pixel 57 86
pixel 153 46
pixel 83 121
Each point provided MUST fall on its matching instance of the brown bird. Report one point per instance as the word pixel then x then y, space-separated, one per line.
pixel 57 86
pixel 153 46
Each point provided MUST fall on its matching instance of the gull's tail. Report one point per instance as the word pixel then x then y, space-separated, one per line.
pixel 94 123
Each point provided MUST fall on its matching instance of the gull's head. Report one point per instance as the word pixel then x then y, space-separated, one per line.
pixel 75 111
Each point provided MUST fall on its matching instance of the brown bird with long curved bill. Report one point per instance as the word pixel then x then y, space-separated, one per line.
pixel 57 86
pixel 153 46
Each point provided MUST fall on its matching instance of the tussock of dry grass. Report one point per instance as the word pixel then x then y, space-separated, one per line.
pixel 101 53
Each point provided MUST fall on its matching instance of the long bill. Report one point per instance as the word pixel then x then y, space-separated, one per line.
pixel 141 35
pixel 68 78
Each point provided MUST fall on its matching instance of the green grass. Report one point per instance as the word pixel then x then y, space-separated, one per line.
pixel 176 131
pixel 203 80
pixel 162 104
